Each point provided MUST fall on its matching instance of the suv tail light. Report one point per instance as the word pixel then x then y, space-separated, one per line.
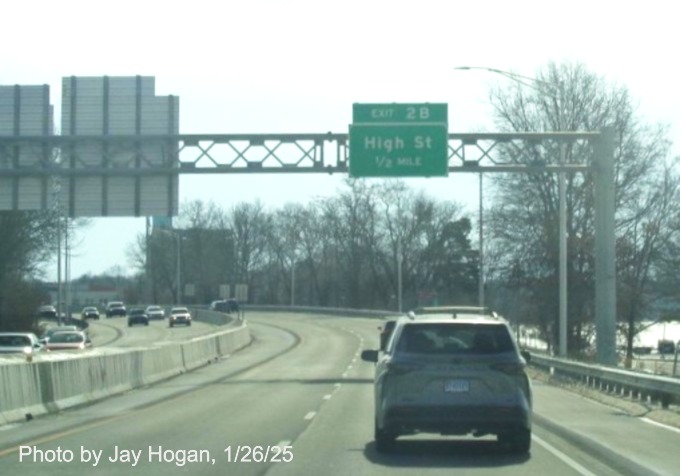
pixel 399 368
pixel 509 368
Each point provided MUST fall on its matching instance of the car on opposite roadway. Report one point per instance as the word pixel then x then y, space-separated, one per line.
pixel 68 340
pixel 138 316
pixel 220 305
pixel 19 342
pixel 116 308
pixel 452 374
pixel 47 335
pixel 47 312
pixel 228 306
pixel 155 312
pixel 90 312
pixel 179 315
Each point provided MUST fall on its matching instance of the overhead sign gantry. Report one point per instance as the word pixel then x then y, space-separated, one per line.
pixel 413 136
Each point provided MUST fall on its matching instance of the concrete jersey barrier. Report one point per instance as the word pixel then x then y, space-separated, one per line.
pixel 41 387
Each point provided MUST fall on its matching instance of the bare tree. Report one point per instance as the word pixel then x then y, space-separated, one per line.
pixel 643 245
pixel 250 226
pixel 524 219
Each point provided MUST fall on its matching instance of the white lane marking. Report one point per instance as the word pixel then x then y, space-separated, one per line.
pixel 8 427
pixel 662 425
pixel 310 416
pixel 337 385
pixel 327 397
pixel 284 443
pixel 563 457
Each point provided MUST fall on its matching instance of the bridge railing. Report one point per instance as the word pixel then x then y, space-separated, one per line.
pixel 621 382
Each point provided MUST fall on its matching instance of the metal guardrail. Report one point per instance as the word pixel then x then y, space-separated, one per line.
pixel 664 390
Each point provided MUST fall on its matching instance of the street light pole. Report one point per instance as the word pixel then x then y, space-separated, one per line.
pixel 400 273
pixel 481 286
pixel 297 236
pixel 59 267
pixel 540 86
pixel 178 289
pixel 293 280
pixel 563 260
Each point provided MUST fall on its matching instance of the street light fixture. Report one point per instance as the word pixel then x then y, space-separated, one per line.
pixel 533 83
pixel 178 289
pixel 297 236
pixel 542 87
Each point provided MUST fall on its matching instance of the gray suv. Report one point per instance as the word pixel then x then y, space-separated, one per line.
pixel 452 374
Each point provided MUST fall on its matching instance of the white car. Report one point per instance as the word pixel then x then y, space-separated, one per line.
pixel 179 315
pixel 155 312
pixel 66 340
pixel 18 342
pixel 54 330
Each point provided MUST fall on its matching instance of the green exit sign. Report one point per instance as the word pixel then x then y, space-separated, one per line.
pixel 399 140
pixel 400 113
pixel 401 150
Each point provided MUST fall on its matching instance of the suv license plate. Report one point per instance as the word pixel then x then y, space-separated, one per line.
pixel 456 386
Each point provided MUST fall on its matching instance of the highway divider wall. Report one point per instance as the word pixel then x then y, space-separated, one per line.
pixel 213 317
pixel 333 311
pixel 43 386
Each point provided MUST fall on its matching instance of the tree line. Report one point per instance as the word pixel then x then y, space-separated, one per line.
pixel 343 251
pixel 523 223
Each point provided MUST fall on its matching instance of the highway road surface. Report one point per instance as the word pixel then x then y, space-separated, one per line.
pixel 114 332
pixel 298 401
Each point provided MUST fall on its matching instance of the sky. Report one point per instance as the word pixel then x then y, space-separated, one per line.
pixel 298 66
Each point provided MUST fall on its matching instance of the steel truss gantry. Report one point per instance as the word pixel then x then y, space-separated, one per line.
pixel 272 153
pixel 43 157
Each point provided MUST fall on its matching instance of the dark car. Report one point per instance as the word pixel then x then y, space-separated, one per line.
pixel 227 306
pixel 666 347
pixel 452 375
pixel 116 308
pixel 138 316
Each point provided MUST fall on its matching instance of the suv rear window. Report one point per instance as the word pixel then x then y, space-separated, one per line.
pixel 435 338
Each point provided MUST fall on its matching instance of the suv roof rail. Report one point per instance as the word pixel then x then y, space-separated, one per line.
pixel 451 309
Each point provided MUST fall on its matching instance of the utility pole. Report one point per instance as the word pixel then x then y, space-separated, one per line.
pixel 541 87
pixel 400 273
